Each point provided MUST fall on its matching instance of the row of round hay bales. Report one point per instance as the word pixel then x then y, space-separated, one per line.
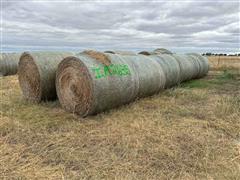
pixel 9 63
pixel 180 67
pixel 85 85
pixel 37 72
pixel 91 82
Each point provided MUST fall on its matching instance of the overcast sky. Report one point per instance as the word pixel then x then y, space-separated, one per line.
pixel 180 26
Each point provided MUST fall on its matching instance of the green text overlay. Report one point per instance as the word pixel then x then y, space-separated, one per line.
pixel 111 70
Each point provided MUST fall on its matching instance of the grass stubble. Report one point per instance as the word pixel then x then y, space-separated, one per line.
pixel 223 62
pixel 187 132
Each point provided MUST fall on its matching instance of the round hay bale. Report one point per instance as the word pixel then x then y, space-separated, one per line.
pixel 171 69
pixel 162 51
pixel 121 52
pixel 191 66
pixel 147 53
pixel 156 52
pixel 9 63
pixel 203 63
pixel 37 73
pixel 85 86
pixel 187 67
pixel 99 56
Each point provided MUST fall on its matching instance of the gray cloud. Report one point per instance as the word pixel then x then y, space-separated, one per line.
pixel 183 26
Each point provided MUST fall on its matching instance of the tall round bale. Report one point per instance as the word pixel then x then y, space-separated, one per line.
pixel 87 86
pixel 9 63
pixel 37 72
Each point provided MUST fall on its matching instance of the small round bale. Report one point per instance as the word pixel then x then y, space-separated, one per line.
pixel 9 63
pixel 37 73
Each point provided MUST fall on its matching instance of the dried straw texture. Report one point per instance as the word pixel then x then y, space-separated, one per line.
pixel 37 72
pixel 9 63
pixel 80 91
pixel 156 51
pixel 224 62
pixel 147 53
pixel 121 52
pixel 99 56
pixel 162 51
pixel 86 86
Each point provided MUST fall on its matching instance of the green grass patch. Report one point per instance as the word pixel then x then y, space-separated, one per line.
pixel 227 75
pixel 195 84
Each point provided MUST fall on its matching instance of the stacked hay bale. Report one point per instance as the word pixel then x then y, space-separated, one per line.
pixel 37 74
pixel 93 82
pixel 9 63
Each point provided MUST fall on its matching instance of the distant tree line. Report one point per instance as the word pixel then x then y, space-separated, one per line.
pixel 219 54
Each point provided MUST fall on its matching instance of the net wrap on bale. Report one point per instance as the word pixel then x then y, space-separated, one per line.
pixel 37 72
pixel 86 84
pixel 191 66
pixel 171 69
pixel 203 62
pixel 9 63
pixel 180 67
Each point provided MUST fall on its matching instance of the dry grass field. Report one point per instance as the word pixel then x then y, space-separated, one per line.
pixel 187 132
pixel 223 62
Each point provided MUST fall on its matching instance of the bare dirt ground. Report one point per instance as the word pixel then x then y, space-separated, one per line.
pixel 187 132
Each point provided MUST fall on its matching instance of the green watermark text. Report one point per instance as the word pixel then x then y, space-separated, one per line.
pixel 111 70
